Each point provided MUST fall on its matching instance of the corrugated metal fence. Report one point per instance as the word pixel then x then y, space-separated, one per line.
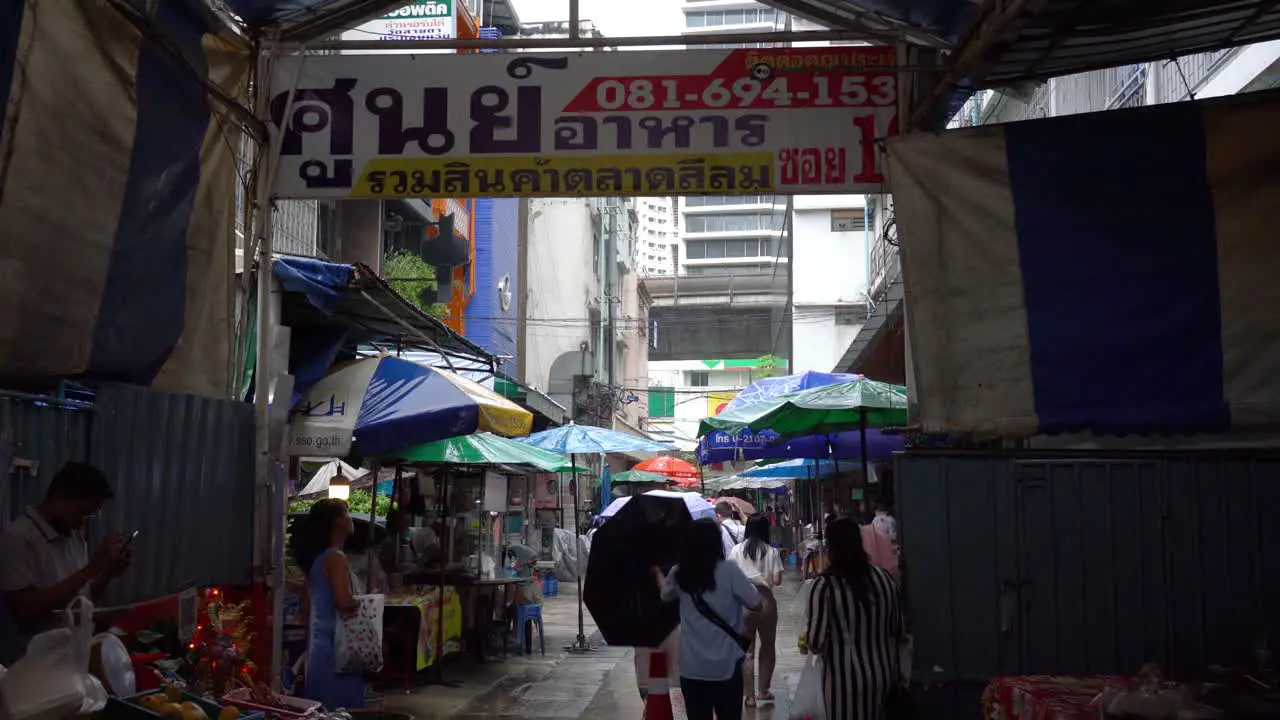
pixel 182 470
pixel 1022 563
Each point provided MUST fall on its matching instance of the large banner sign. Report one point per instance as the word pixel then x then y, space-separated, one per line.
pixel 692 122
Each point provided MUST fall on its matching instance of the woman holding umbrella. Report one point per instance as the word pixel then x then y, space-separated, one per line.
pixel 712 594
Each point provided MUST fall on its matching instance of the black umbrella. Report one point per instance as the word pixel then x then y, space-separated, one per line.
pixel 620 591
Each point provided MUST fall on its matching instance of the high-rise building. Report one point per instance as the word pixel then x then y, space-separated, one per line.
pixel 656 235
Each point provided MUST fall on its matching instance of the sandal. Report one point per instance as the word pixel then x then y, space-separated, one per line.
pixel 765 697
pixel 750 701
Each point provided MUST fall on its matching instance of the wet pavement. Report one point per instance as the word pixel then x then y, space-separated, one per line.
pixel 596 685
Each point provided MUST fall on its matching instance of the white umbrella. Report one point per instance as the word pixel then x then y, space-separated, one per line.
pixel 318 486
pixel 698 508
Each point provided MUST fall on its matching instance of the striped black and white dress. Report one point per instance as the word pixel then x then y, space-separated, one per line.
pixel 858 643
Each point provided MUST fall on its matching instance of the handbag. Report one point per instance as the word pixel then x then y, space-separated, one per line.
pixel 700 602
pixel 358 637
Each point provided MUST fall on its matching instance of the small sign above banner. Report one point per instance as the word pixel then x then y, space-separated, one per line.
pixel 724 122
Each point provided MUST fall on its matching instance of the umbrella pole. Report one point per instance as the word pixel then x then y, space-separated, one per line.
pixel 862 440
pixel 579 644
pixel 702 479
pixel 447 527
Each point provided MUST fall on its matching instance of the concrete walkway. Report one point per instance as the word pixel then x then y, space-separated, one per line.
pixel 597 685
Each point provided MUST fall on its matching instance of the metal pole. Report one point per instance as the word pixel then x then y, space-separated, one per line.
pixel 595 43
pixel 263 376
pixel 579 644
pixel 573 20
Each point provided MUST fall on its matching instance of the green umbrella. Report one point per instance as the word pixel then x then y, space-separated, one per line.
pixel 487 449
pixel 641 476
pixel 858 404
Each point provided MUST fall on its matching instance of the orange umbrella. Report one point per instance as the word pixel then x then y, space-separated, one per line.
pixel 673 467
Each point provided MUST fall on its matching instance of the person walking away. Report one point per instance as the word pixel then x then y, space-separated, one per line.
pixel 762 565
pixel 317 547
pixel 712 593
pixel 728 517
pixel 45 561
pixel 855 626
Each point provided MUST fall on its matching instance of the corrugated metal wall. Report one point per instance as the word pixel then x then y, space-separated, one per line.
pixel 47 434
pixel 1057 564
pixel 182 470
pixel 183 473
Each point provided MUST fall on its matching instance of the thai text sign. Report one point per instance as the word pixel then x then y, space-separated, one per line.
pixel 550 124
pixel 430 20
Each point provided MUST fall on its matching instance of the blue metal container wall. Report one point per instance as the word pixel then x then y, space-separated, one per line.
pixel 48 434
pixel 497 257
pixel 182 468
pixel 1055 564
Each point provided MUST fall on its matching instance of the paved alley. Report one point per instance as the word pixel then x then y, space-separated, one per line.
pixel 598 685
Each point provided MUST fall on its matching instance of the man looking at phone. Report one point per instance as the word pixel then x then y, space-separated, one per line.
pixel 45 563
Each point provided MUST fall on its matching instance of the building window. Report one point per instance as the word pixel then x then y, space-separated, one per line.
pixel 728 248
pixel 662 402
pixel 718 200
pixel 848 220
pixel 734 222
pixel 699 378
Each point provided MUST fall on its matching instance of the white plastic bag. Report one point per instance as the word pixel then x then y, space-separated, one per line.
pixel 52 679
pixel 358 637
pixel 809 703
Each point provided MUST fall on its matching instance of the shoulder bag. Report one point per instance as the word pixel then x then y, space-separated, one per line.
pixel 701 603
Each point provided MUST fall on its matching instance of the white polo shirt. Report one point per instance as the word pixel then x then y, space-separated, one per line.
pixel 32 555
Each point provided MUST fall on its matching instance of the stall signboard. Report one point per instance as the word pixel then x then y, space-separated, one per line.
pixel 415 21
pixel 722 122
pixel 718 401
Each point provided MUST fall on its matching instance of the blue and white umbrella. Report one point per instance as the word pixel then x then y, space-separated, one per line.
pixel 588 439
pixel 573 440
pixel 798 469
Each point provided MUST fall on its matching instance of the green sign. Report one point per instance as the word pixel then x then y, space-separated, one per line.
pixel 438 8
pixel 749 363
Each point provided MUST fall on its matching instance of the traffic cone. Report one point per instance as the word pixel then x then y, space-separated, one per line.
pixel 657 705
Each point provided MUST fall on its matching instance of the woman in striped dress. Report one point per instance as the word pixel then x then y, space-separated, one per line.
pixel 855 625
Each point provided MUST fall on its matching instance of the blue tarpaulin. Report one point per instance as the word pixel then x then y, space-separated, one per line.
pixel 321 282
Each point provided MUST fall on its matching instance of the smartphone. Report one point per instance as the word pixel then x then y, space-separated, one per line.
pixel 129 540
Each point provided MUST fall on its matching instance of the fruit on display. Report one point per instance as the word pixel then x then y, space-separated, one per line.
pixel 229 713
pixel 192 711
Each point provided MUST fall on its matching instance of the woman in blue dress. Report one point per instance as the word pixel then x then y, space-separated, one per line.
pixel 317 547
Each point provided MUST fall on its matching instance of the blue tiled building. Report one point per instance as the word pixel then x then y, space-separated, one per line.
pixel 492 313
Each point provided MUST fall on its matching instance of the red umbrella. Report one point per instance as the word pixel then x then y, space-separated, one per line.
pixel 673 467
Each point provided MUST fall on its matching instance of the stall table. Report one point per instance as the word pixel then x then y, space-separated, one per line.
pixel 410 626
pixel 485 602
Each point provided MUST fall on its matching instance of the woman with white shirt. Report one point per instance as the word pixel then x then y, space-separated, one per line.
pixel 762 565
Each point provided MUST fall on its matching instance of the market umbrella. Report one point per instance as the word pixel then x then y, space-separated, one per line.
pixel 798 469
pixel 620 591
pixel 640 476
pixel 684 474
pixel 387 404
pixel 738 504
pixel 859 404
pixel 698 508
pixel 573 440
pixel 487 449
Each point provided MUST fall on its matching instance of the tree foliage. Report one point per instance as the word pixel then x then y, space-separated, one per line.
pixel 409 275
pixel 359 503
pixel 768 366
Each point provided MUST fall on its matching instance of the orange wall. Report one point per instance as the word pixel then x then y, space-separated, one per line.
pixel 464 280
